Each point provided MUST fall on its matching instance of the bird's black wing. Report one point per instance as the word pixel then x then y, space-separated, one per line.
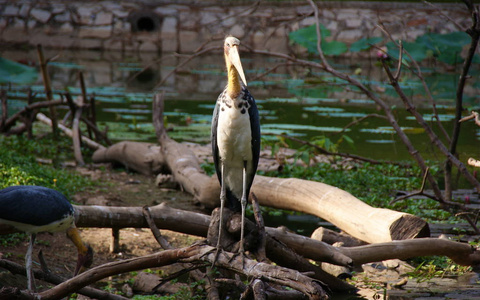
pixel 255 129
pixel 33 205
pixel 213 138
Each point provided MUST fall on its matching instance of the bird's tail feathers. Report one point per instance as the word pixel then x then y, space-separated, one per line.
pixel 233 203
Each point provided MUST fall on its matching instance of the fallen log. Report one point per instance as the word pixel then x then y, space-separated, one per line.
pixel 144 158
pixel 461 253
pixel 183 163
pixel 192 223
pixel 369 224
pixel 331 237
pixel 197 224
pixel 91 144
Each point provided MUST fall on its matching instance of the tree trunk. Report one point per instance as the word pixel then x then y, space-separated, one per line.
pixel 369 224
pixel 144 158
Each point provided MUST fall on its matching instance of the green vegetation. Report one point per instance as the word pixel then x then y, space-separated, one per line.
pixel 436 266
pixel 13 72
pixel 442 47
pixel 19 166
pixel 11 239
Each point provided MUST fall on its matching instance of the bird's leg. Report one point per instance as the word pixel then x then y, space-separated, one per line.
pixel 223 195
pixel 244 204
pixel 28 263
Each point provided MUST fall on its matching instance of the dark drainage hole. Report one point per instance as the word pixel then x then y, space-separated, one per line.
pixel 145 24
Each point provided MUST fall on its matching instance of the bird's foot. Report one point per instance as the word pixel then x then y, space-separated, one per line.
pixel 217 251
pixel 241 253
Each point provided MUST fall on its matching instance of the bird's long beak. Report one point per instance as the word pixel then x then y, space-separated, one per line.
pixel 84 261
pixel 235 59
pixel 85 252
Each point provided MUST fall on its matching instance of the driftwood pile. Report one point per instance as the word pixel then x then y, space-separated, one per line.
pixel 369 234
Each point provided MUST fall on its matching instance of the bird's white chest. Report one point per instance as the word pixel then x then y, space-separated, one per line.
pixel 234 136
pixel 56 226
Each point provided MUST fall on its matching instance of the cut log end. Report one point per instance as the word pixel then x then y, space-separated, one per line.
pixel 409 227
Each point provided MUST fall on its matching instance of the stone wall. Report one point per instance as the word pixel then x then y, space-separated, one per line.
pixel 165 26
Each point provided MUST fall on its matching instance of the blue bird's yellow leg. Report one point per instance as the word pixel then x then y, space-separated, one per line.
pixel 28 263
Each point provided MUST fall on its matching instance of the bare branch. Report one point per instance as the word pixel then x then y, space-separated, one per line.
pixel 186 61
pixel 155 231
pixel 319 35
pixel 261 256
pixel 53 279
pixel 354 122
pixel 439 11
pixel 400 59
pixel 474 115
pixel 419 193
pixel 469 220
pixel 417 72
pixel 270 70
pixel 433 138
pixel 48 88
pixel 196 255
pixel 31 107
pixel 347 155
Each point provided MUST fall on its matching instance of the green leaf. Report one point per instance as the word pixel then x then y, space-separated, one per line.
pixel 417 51
pixel 365 44
pixel 13 72
pixel 334 48
pixel 450 57
pixel 307 37
pixel 305 157
pixel 348 140
pixel 444 47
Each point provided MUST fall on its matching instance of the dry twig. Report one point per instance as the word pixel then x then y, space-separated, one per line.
pixel 419 193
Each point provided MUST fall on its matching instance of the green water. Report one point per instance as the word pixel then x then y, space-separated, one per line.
pixel 293 101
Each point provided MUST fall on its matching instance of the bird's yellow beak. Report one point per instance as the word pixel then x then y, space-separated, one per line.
pixel 235 59
pixel 85 252
pixel 84 261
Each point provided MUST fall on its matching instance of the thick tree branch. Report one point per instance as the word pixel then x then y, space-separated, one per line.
pixel 195 254
pixel 48 277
